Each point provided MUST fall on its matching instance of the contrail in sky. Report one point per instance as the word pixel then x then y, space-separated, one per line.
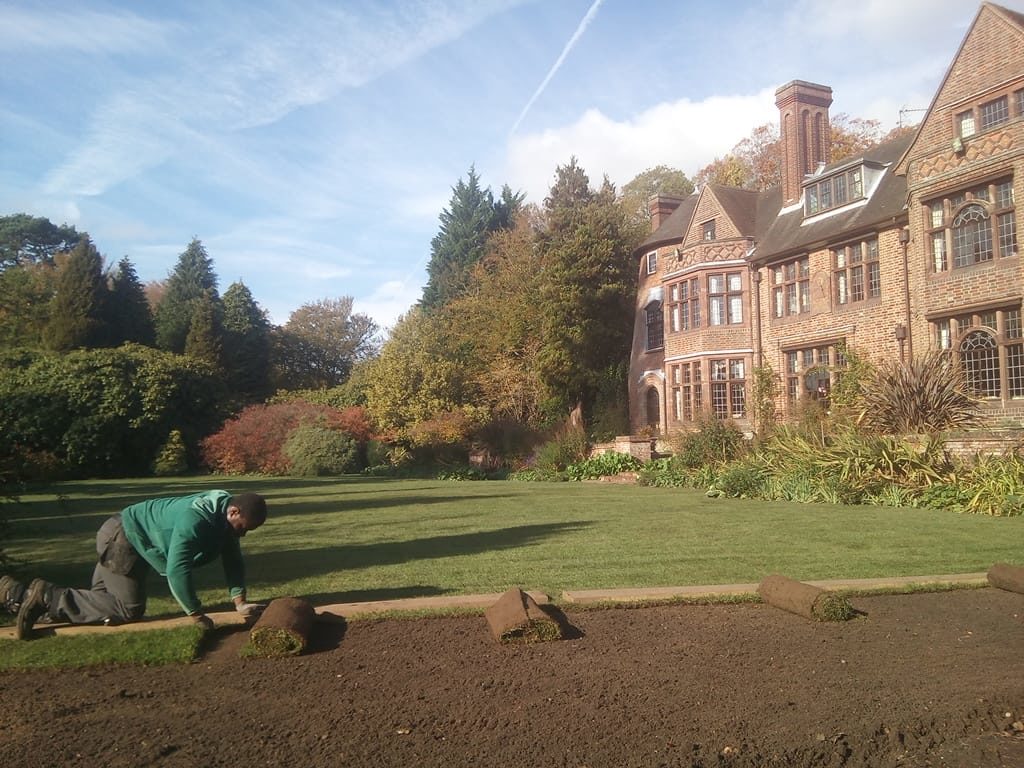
pixel 565 52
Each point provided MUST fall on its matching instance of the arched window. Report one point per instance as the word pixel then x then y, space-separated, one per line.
pixel 653 403
pixel 655 326
pixel 979 355
pixel 972 236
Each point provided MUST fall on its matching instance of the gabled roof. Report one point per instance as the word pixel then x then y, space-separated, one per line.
pixel 788 233
pixel 1011 17
pixel 757 214
pixel 674 228
pixel 740 205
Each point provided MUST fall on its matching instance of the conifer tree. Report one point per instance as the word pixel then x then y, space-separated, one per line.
pixel 587 298
pixel 79 306
pixel 130 316
pixel 191 282
pixel 246 344
pixel 203 341
pixel 472 215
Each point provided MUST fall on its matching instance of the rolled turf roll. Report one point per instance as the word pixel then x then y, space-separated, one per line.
pixel 283 629
pixel 1006 576
pixel 804 599
pixel 516 618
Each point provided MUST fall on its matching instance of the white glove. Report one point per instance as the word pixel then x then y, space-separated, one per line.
pixel 250 610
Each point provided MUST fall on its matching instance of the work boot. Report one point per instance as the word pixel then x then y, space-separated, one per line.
pixel 33 607
pixel 12 592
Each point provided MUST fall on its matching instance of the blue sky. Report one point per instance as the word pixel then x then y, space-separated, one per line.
pixel 311 145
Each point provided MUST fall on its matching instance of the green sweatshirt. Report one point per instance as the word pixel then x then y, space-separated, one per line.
pixel 176 535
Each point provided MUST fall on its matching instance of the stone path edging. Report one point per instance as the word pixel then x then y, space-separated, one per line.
pixel 644 594
pixel 576 596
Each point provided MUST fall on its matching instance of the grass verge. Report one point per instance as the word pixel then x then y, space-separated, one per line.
pixel 353 539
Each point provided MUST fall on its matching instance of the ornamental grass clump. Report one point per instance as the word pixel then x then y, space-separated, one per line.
pixel 928 395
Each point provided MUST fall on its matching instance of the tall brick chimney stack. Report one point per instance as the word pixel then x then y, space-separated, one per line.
pixel 803 133
pixel 661 207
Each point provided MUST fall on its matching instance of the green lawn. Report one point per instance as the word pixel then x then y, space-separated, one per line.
pixel 351 539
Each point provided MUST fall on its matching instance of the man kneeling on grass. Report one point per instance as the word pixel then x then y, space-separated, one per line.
pixel 172 536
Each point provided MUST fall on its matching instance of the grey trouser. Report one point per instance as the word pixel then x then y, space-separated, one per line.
pixel 118 592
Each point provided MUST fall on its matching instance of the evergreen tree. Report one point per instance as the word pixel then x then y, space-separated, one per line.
pixel 246 344
pixel 130 316
pixel 28 239
pixel 25 304
pixel 587 299
pixel 472 215
pixel 507 208
pixel 78 314
pixel 203 341
pixel 191 282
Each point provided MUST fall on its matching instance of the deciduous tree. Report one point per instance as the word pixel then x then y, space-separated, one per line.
pixel 321 342
pixel 659 180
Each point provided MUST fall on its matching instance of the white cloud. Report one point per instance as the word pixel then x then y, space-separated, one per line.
pixel 252 73
pixel 46 28
pixel 389 301
pixel 682 134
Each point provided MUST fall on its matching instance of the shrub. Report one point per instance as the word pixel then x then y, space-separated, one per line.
pixel 103 412
pixel 171 459
pixel 253 441
pixel 763 394
pixel 741 480
pixel 315 450
pixel 995 485
pixel 567 447
pixel 604 465
pixel 670 473
pixel 715 441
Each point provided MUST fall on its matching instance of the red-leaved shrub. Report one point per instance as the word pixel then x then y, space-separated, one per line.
pixel 353 421
pixel 252 442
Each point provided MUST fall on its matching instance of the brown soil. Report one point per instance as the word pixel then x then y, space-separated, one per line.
pixel 915 680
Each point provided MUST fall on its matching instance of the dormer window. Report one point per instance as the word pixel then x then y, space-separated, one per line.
pixel 708 230
pixel 834 191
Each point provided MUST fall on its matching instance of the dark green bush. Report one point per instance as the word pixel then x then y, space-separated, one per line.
pixel 714 441
pixel 741 480
pixel 315 450
pixel 104 412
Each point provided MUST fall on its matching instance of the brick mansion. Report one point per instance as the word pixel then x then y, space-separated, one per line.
pixel 908 248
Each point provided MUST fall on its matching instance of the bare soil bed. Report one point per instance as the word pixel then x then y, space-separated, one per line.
pixel 915 680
